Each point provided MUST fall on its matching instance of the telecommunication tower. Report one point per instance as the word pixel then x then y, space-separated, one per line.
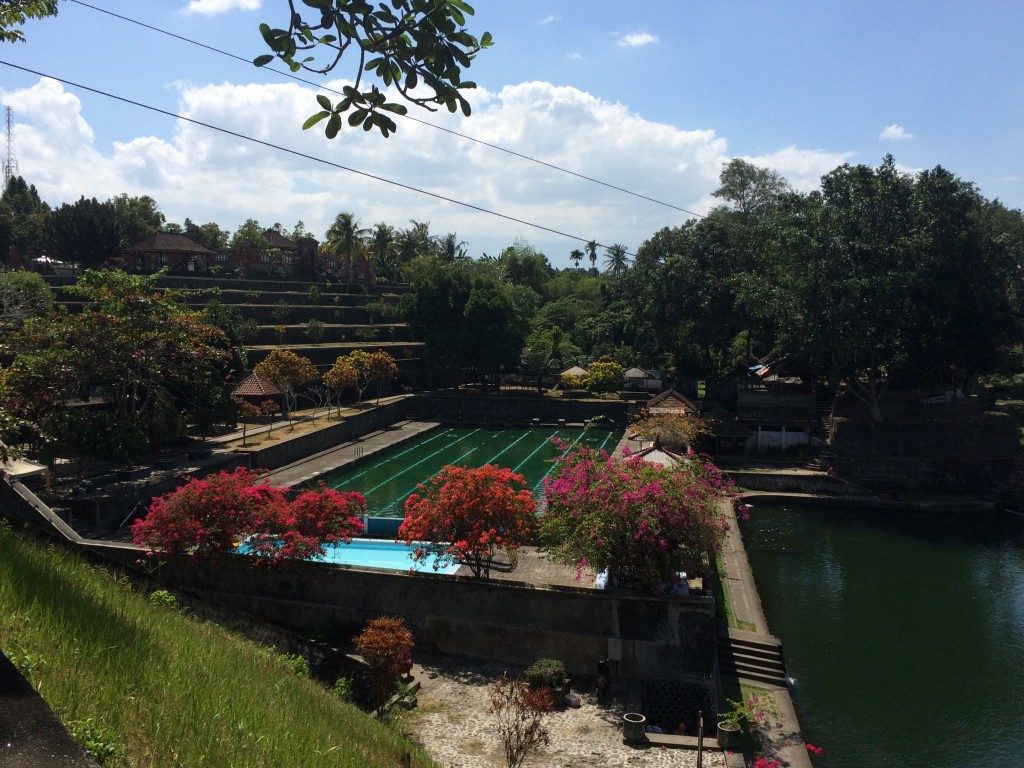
pixel 10 164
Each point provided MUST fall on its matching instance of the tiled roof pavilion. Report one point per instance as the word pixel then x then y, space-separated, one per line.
pixel 255 385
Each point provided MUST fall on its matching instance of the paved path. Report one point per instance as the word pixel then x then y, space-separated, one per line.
pixel 319 464
pixel 784 742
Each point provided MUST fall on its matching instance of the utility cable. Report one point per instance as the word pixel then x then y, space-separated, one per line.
pixel 318 86
pixel 306 156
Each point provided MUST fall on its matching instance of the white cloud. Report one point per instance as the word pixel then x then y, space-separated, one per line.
pixel 574 56
pixel 802 167
pixel 894 132
pixel 636 40
pixel 212 7
pixel 550 19
pixel 197 173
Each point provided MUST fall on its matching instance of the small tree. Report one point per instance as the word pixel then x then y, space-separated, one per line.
pixel 467 513
pixel 641 521
pixel 605 375
pixel 245 412
pixel 672 430
pixel 314 330
pixel 340 377
pixel 360 362
pixel 386 646
pixel 381 370
pixel 299 530
pixel 208 516
pixel 519 712
pixel 288 371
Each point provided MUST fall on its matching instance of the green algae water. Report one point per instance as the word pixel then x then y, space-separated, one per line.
pixel 904 633
pixel 388 479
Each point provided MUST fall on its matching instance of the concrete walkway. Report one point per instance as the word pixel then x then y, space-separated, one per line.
pixel 784 742
pixel 320 464
pixel 31 735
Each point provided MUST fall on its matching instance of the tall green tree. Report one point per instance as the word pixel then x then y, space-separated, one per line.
pixel 344 240
pixel 750 189
pixel 616 260
pixel 25 220
pixel 136 218
pixel 85 232
pixel 14 13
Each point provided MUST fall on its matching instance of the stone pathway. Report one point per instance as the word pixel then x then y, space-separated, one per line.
pixel 453 725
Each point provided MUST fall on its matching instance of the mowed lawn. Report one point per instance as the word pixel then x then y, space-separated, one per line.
pixel 173 690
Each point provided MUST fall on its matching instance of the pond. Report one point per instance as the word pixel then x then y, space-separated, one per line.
pixel 904 633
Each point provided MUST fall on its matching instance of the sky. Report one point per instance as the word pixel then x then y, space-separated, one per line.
pixel 653 97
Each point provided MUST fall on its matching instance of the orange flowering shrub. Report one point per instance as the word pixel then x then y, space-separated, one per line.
pixel 468 513
pixel 386 645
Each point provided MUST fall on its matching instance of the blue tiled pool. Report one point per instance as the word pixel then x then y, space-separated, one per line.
pixel 379 553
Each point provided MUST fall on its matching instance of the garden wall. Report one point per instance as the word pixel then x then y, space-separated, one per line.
pixel 503 409
pixel 661 638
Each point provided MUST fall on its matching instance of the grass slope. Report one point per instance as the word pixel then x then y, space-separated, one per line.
pixel 174 690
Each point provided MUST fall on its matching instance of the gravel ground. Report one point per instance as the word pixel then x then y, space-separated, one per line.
pixel 452 723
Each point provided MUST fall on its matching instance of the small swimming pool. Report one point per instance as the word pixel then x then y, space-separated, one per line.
pixel 379 553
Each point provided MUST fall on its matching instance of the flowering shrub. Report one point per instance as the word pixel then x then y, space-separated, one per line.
pixel 467 513
pixel 210 516
pixel 300 529
pixel 519 712
pixel 641 521
pixel 814 750
pixel 764 762
pixel 386 645
pixel 758 711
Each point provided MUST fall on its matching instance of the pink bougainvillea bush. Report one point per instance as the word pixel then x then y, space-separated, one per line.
pixel 212 515
pixel 640 521
pixel 467 514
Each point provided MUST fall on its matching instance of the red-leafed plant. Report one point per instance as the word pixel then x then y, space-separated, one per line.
pixel 213 515
pixel 467 514
pixel 386 645
pixel 210 515
pixel 298 531
pixel 519 712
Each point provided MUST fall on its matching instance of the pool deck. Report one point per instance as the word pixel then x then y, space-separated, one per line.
pixel 320 464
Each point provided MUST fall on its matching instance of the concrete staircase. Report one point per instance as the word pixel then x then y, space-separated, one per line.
pixel 752 657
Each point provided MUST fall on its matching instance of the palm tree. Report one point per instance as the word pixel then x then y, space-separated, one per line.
pixel 413 241
pixel 592 253
pixel 450 248
pixel 616 262
pixel 576 257
pixel 383 246
pixel 345 241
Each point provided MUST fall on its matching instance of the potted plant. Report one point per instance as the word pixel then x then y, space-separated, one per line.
pixel 731 725
pixel 550 674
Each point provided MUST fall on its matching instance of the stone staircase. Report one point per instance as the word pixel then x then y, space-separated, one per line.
pixel 752 657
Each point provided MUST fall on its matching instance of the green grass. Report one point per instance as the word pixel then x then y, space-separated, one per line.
pixel 169 689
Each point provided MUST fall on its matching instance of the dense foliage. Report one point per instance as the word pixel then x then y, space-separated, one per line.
pixel 519 713
pixel 640 521
pixel 213 515
pixel 467 514
pixel 386 646
pixel 156 365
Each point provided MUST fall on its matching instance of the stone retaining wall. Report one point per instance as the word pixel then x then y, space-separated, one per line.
pixel 661 638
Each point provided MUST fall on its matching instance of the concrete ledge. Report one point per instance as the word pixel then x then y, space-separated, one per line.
pixel 682 742
pixel 31 735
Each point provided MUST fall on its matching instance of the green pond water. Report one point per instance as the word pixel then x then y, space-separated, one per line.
pixel 388 479
pixel 904 633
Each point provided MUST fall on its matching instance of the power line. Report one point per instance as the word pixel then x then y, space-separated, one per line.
pixel 305 156
pixel 318 86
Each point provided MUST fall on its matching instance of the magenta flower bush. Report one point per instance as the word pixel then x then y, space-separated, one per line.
pixel 640 521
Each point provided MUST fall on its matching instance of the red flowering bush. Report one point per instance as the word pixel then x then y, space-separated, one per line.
pixel 468 513
pixel 212 515
pixel 208 516
pixel 641 521
pixel 764 762
pixel 298 530
pixel 386 646
pixel 519 713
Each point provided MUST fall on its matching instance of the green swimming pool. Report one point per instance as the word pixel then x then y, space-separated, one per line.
pixel 388 479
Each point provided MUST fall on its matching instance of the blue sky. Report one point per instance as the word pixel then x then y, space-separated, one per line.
pixel 654 100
